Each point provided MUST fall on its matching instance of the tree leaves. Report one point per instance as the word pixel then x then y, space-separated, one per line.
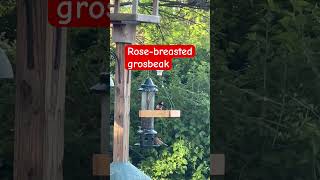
pixel 266 139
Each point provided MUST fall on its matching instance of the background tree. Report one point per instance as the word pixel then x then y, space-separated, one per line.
pixel 266 88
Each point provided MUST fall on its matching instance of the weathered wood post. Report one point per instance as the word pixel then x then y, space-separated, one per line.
pixel 123 33
pixel 122 101
pixel 40 94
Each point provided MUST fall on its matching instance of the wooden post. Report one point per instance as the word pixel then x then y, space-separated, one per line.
pixel 116 6
pixel 122 108
pixel 135 6
pixel 155 7
pixel 124 32
pixel 40 94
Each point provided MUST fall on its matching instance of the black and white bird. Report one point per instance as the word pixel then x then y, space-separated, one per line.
pixel 160 106
pixel 158 141
pixel 140 131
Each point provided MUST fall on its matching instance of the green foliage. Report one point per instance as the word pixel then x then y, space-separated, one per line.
pixel 168 163
pixel 266 88
pixel 181 162
pixel 187 86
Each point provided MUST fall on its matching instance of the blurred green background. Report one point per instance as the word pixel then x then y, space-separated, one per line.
pixel 266 90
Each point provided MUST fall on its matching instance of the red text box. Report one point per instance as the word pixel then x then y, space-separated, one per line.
pixel 79 13
pixel 155 57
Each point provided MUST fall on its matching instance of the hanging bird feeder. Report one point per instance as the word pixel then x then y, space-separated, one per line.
pixel 147 132
pixel 102 86
pixel 148 135
pixel 150 112
pixel 100 162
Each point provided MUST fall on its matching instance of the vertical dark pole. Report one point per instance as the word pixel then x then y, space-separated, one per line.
pixel 105 124
pixel 105 127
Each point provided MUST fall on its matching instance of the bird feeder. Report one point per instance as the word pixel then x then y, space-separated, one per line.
pixel 5 66
pixel 101 162
pixel 146 113
pixel 147 132
pixel 102 86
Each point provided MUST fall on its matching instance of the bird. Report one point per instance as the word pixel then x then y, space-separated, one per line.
pixel 158 141
pixel 140 131
pixel 160 106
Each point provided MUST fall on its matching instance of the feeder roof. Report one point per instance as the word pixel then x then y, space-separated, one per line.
pixel 148 86
pixel 104 84
pixel 149 131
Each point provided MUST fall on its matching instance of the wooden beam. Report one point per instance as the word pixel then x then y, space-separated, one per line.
pixel 101 164
pixel 159 113
pixel 124 33
pixel 40 94
pixel 133 18
pixel 148 18
pixel 135 5
pixel 116 6
pixel 155 7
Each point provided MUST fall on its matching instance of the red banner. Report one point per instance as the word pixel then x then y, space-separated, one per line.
pixel 155 57
pixel 79 13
